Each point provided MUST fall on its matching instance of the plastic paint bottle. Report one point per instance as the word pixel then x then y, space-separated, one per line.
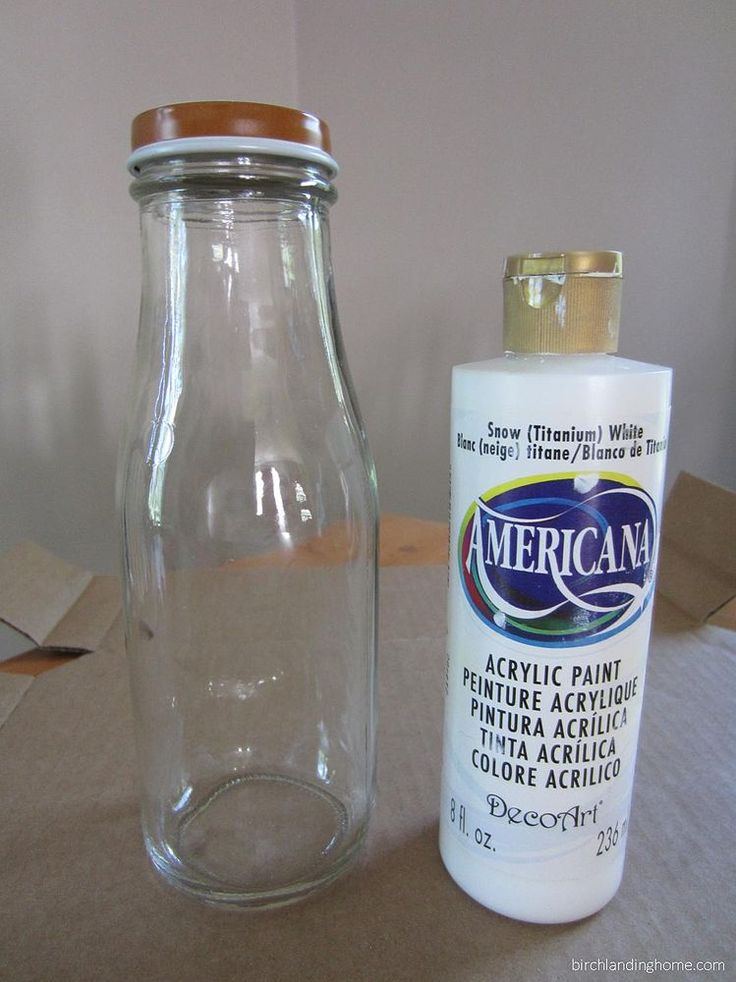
pixel 558 455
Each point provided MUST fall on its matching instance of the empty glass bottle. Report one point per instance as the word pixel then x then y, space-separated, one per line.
pixel 248 507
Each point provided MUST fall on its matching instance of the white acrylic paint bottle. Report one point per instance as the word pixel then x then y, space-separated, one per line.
pixel 558 453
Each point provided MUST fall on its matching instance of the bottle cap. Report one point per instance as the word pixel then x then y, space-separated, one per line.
pixel 231 127
pixel 562 302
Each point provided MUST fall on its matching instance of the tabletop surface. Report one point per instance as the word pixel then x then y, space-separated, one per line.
pixel 80 901
pixel 404 541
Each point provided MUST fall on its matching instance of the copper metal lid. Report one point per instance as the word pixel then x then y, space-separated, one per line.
pixel 191 127
pixel 562 302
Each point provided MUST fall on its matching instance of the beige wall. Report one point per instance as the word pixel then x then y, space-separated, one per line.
pixel 470 130
pixel 74 73
pixel 465 131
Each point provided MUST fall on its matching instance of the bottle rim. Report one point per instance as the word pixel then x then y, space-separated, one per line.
pixel 232 146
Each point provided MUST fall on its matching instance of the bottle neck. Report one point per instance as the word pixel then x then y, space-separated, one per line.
pixel 249 232
pixel 233 243
pixel 237 296
pixel 233 175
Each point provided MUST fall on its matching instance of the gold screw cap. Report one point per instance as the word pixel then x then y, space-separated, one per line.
pixel 562 302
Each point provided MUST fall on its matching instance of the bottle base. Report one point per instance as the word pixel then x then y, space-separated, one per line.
pixel 257 841
pixel 523 899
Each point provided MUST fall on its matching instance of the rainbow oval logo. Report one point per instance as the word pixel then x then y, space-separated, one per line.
pixel 559 560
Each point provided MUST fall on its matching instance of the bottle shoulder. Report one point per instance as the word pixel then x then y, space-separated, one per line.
pixel 560 365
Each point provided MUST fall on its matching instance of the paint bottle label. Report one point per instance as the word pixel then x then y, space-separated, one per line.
pixel 555 513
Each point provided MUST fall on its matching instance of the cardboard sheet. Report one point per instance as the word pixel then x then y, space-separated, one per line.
pixel 53 603
pixel 12 689
pixel 80 902
pixel 697 568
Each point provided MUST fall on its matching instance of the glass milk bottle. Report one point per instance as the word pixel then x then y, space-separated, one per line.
pixel 248 511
